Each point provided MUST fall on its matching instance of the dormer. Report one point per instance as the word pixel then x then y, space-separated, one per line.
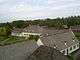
pixel 65 43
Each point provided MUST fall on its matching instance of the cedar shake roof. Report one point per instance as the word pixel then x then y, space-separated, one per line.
pixel 17 30
pixel 34 29
pixel 29 29
pixel 46 53
pixel 54 37
pixel 58 38
pixel 17 51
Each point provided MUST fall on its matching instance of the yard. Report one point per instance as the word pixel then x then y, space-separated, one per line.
pixel 7 40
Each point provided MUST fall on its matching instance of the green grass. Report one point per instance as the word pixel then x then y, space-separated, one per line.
pixel 77 34
pixel 7 40
pixel 71 56
pixel 2 31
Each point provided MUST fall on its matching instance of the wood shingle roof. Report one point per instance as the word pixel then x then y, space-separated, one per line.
pixel 46 53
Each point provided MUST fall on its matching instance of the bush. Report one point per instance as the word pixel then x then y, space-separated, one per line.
pixel 34 37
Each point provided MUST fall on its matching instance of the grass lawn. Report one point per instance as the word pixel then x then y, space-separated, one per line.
pixel 4 40
pixel 77 34
pixel 71 56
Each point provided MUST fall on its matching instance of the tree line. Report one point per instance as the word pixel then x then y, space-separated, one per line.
pixel 57 22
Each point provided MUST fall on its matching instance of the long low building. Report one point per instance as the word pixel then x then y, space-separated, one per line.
pixel 63 40
pixel 75 28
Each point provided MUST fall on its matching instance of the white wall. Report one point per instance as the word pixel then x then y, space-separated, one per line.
pixel 24 34
pixel 16 34
pixel 31 33
pixel 70 51
pixel 39 42
pixel 77 47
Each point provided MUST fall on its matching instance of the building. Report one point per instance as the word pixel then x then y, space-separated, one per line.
pixel 29 51
pixel 63 40
pixel 26 32
pixel 18 51
pixel 75 28
pixel 46 53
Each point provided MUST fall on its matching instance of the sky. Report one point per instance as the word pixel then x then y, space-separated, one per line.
pixel 11 10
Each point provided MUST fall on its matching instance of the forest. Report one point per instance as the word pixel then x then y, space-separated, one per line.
pixel 57 22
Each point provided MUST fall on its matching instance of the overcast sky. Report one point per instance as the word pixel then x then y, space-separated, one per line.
pixel 33 9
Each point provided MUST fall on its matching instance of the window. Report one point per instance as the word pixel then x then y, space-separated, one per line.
pixel 74 47
pixel 67 51
pixel 63 52
pixel 25 34
pixel 70 48
pixel 77 45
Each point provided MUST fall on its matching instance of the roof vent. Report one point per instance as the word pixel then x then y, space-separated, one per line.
pixel 55 46
pixel 41 36
pixel 73 40
pixel 47 34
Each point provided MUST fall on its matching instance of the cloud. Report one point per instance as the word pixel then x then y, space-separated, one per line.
pixel 21 9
